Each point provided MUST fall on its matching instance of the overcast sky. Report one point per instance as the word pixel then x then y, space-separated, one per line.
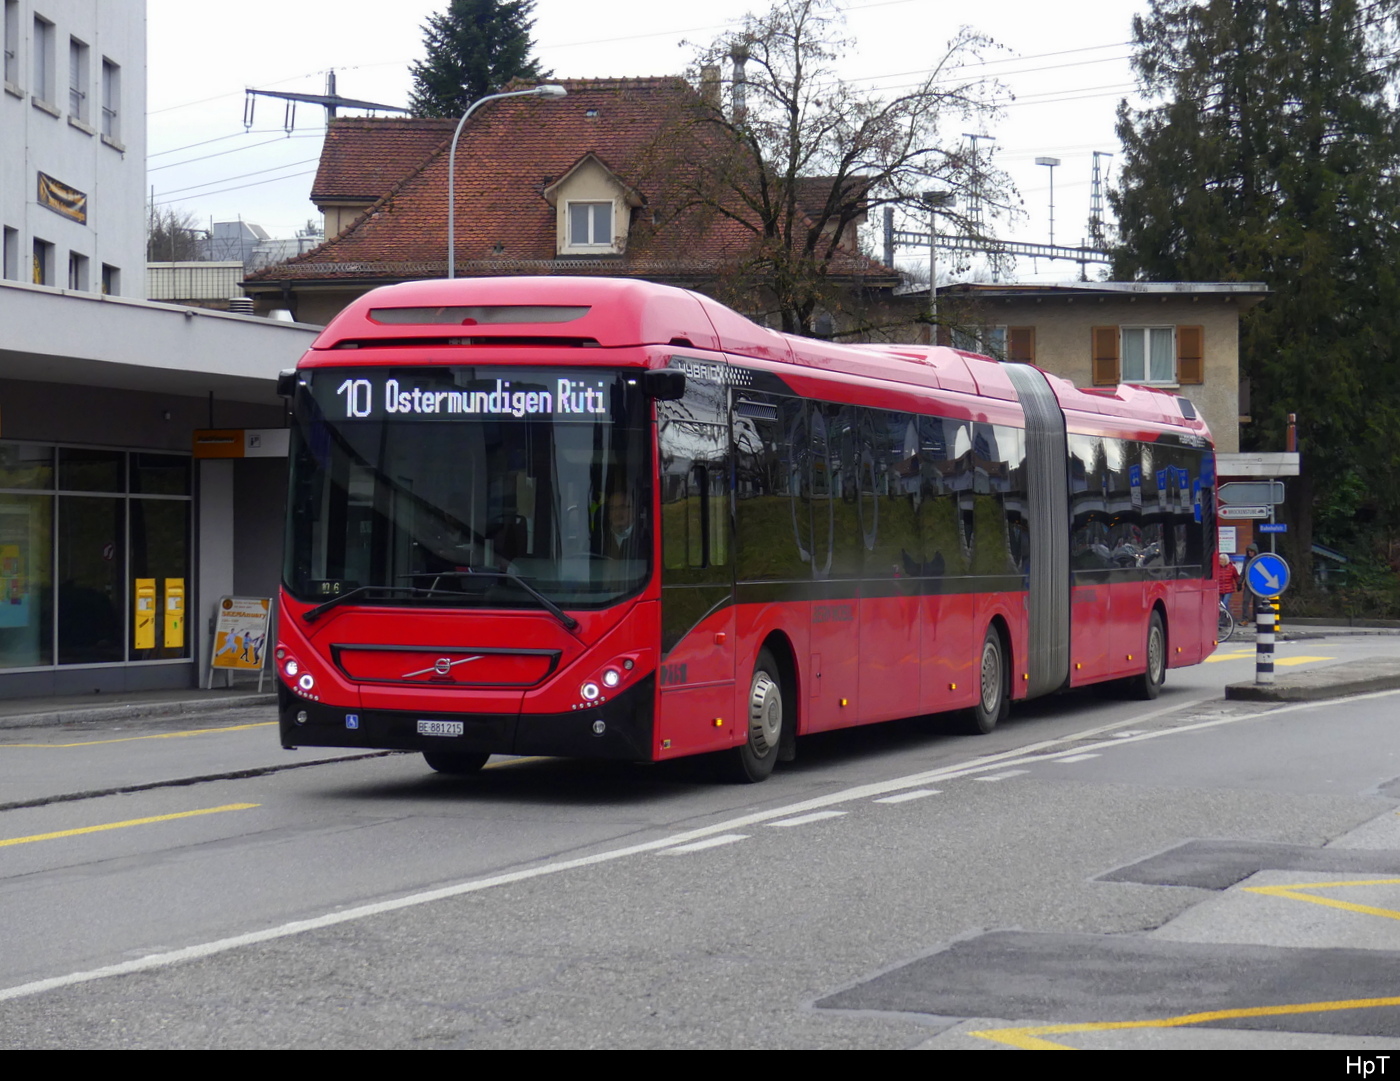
pixel 1066 65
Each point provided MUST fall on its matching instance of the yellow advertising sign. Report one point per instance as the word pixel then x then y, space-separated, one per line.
pixel 144 635
pixel 174 613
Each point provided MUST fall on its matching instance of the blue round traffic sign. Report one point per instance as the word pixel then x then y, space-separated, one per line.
pixel 1266 575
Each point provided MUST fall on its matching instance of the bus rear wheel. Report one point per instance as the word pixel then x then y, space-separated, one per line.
pixel 754 759
pixel 994 687
pixel 455 763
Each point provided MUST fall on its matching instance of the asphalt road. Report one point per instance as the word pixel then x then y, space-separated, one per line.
pixel 1189 872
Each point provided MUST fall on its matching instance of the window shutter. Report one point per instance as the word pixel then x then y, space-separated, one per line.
pixel 1190 354
pixel 1020 344
pixel 1105 355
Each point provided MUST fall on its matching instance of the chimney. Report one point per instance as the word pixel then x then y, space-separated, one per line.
pixel 740 55
pixel 709 85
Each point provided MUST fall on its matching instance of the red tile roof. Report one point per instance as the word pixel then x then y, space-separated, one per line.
pixel 509 153
pixel 362 159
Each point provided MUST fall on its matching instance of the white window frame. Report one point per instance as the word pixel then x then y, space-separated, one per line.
pixel 43 257
pixel 12 45
pixel 111 101
pixel 44 60
pixel 78 79
pixel 989 341
pixel 593 243
pixel 9 256
pixel 1166 374
pixel 77 271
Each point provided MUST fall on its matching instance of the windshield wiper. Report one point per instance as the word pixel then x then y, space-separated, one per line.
pixel 373 592
pixel 553 609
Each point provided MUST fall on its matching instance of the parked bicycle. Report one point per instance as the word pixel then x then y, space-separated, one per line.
pixel 1226 626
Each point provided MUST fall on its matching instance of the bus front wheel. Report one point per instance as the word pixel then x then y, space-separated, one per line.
pixel 993 687
pixel 455 763
pixel 753 760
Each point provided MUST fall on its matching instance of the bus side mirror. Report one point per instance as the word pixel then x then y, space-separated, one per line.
pixel 286 382
pixel 664 384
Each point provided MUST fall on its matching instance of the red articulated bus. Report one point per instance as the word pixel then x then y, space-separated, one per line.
pixel 592 517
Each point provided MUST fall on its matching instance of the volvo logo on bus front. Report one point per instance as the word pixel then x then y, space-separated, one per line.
pixel 440 668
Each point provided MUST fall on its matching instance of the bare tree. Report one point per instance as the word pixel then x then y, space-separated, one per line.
pixel 173 237
pixel 798 156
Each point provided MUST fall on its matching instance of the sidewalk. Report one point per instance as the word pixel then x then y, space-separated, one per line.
pixel 1335 681
pixel 178 705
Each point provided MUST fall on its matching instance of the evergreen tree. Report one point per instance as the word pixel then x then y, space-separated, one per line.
pixel 1267 155
pixel 474 48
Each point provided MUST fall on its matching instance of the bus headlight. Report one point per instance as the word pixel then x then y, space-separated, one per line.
pixel 611 677
pixel 307 682
pixel 590 691
pixel 291 668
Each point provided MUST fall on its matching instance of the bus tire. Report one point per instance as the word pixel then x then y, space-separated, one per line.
pixel 1149 685
pixel 753 760
pixel 994 687
pixel 455 763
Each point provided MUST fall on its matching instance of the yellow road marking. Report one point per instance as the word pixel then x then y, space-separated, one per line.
pixel 158 735
pixel 1279 662
pixel 128 822
pixel 1028 1037
pixel 1295 893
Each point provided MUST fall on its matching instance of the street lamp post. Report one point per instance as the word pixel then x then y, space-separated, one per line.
pixel 549 90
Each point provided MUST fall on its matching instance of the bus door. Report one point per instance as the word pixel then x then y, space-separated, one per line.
pixel 824 442
pixel 698 647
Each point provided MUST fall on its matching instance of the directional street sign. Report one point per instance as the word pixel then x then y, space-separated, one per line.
pixel 1243 512
pixel 1266 575
pixel 1268 492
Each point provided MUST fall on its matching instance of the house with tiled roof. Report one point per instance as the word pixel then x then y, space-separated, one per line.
pixel 578 185
pixel 363 158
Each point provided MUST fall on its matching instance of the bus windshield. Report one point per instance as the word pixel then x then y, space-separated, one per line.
pixel 469 486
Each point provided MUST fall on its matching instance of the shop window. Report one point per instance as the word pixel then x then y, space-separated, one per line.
pixel 77 551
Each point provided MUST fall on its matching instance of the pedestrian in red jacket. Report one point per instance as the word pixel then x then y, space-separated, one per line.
pixel 1227 578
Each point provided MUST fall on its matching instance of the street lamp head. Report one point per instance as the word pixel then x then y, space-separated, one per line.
pixel 1052 162
pixel 551 90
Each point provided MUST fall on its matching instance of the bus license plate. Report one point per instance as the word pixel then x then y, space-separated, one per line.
pixel 440 728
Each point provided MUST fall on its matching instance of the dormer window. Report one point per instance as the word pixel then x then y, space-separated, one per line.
pixel 594 209
pixel 591 225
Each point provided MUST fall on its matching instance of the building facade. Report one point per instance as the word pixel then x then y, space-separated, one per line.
pixel 116 542
pixel 72 121
pixel 1178 336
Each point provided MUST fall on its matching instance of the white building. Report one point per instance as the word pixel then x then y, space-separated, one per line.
pixel 108 519
pixel 73 167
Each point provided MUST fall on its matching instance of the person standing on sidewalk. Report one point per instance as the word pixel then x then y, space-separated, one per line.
pixel 1227 578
